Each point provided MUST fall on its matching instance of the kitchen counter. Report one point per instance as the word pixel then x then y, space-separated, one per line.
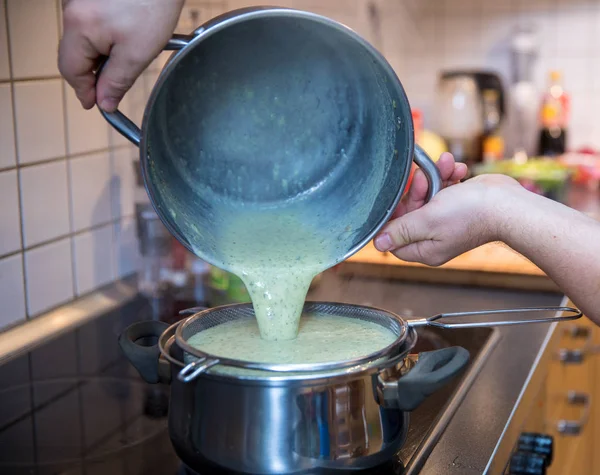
pixel 471 437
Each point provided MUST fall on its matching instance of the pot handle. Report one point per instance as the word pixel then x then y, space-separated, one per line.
pixel 433 370
pixel 434 178
pixel 144 358
pixel 120 122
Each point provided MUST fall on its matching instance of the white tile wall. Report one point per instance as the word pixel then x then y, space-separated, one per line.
pixel 93 259
pixel 40 120
pixel 126 247
pixel 49 276
pixel 7 131
pixel 90 179
pixel 86 129
pixel 12 291
pixel 123 182
pixel 10 225
pixel 4 64
pixel 44 194
pixel 66 178
pixel 33 30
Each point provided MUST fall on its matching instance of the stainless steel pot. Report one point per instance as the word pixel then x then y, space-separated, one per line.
pixel 341 418
pixel 273 108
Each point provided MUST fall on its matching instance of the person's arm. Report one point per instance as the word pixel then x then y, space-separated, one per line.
pixel 563 242
pixel 130 32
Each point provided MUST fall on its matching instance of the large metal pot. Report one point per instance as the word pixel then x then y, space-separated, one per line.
pixel 318 423
pixel 274 108
pixel 345 418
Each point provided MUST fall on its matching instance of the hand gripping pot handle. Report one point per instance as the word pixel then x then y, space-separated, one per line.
pixel 120 122
pixel 143 357
pixel 432 173
pixel 433 370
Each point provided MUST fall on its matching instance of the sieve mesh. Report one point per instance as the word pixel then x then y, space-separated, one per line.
pixel 220 315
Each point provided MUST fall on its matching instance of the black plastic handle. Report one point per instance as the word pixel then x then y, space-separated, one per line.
pixel 433 370
pixel 144 358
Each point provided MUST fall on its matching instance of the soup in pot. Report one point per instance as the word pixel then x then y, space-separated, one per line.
pixel 322 338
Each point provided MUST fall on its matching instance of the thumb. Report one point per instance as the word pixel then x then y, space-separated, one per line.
pixel 118 75
pixel 403 231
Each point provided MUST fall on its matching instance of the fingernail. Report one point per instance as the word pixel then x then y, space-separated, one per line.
pixel 383 242
pixel 109 104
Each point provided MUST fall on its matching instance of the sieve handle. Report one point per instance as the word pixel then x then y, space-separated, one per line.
pixel 434 178
pixel 433 320
pixel 120 122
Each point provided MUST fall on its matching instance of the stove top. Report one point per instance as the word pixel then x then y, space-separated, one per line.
pixel 75 406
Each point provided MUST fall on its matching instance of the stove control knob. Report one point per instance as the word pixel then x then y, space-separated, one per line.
pixel 527 463
pixel 539 444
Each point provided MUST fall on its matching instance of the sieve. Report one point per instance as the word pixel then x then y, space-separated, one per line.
pixel 199 362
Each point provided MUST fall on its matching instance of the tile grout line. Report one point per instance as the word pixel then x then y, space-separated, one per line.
pixel 62 237
pixel 16 143
pixel 114 250
pixel 69 191
pixel 68 164
pixel 66 157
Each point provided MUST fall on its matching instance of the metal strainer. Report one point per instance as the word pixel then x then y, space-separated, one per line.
pixel 201 361
pixel 198 361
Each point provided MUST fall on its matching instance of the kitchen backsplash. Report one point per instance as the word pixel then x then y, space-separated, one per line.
pixel 67 180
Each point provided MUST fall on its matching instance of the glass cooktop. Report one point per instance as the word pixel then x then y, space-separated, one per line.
pixel 75 406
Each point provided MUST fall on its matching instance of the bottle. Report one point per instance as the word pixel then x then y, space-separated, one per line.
pixel 554 118
pixel 493 142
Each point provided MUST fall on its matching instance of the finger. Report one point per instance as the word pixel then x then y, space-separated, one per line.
pixel 415 252
pixel 430 253
pixel 403 231
pixel 418 191
pixel 445 165
pixel 117 77
pixel 459 173
pixel 76 62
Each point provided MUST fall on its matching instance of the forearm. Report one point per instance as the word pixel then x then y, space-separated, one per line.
pixel 564 243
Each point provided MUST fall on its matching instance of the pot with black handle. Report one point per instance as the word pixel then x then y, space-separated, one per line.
pixel 289 420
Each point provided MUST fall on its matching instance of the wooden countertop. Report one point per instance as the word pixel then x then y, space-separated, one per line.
pixel 492 265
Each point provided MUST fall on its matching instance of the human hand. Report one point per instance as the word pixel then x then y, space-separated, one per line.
pixel 451 173
pixel 459 218
pixel 130 32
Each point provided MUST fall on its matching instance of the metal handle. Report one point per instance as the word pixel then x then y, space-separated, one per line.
pixel 432 371
pixel 574 427
pixel 195 369
pixel 434 178
pixel 120 122
pixel 433 320
pixel 143 356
